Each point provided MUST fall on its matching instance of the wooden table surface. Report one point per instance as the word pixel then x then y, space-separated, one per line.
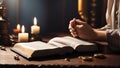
pixel 7 60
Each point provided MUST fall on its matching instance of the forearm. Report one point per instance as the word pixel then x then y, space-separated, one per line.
pixel 100 35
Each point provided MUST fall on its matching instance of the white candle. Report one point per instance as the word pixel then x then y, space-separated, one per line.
pixel 23 37
pixel 35 29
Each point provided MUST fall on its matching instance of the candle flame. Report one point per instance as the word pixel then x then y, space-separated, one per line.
pixel 35 21
pixel 23 28
pixel 18 26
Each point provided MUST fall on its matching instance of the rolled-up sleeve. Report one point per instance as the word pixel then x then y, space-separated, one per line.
pixel 113 38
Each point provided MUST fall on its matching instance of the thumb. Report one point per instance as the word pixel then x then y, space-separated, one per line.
pixel 79 26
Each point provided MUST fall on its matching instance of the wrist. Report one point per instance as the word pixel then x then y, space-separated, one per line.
pixel 100 35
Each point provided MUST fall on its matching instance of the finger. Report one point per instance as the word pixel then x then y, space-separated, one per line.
pixel 70 27
pixel 72 30
pixel 74 34
pixel 72 22
pixel 80 21
pixel 79 28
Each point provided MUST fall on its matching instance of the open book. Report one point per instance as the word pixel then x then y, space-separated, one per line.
pixel 57 45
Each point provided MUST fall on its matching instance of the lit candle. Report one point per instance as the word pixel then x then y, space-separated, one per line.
pixel 17 30
pixel 79 5
pixel 23 37
pixel 35 29
pixel 18 27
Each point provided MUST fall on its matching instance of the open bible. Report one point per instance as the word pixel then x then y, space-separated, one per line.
pixel 55 46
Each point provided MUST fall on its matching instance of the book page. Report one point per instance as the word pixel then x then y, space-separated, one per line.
pixel 62 41
pixel 39 48
pixel 70 41
pixel 36 45
pixel 64 49
pixel 75 43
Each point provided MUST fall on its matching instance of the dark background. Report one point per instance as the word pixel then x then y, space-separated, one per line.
pixel 52 15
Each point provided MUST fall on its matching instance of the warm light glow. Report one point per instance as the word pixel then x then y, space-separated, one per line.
pixel 80 5
pixel 1 18
pixel 18 26
pixel 23 29
pixel 35 21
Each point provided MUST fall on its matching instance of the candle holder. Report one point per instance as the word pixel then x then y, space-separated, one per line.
pixel 4 33
pixel 14 39
pixel 4 25
pixel 14 36
pixel 35 37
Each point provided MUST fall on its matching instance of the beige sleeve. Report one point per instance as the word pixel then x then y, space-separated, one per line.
pixel 108 11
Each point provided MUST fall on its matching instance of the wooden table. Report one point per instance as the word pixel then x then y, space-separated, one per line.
pixel 7 60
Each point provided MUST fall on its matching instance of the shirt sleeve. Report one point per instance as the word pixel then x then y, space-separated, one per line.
pixel 113 38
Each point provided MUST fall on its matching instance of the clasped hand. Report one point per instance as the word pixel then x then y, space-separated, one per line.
pixel 81 29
